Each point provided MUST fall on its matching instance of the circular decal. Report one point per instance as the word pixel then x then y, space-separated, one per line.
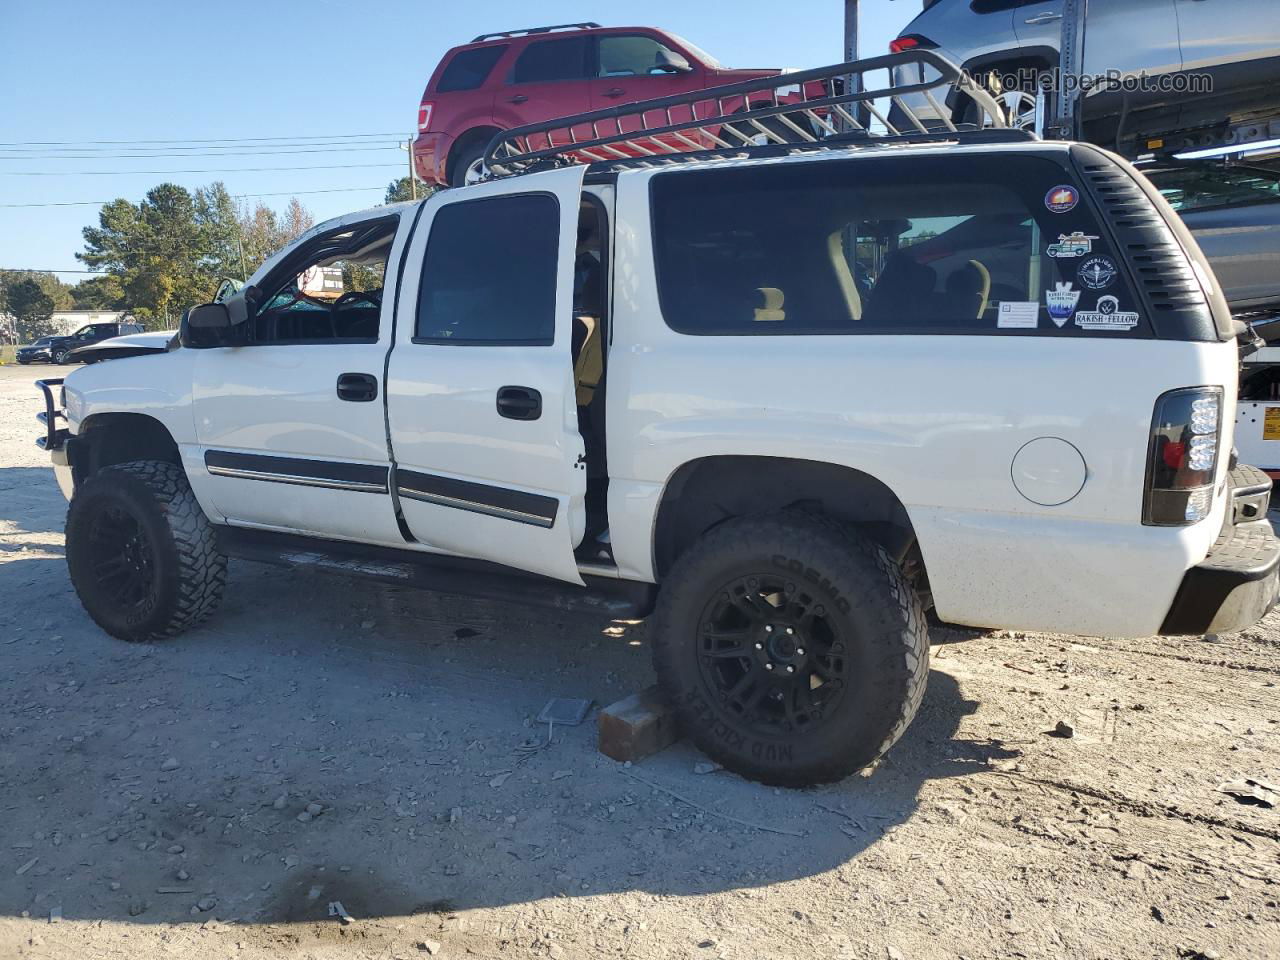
pixel 1062 198
pixel 1098 273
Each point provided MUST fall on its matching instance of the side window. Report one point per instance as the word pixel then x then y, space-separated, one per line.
pixel 918 245
pixel 485 282
pixel 550 60
pixel 627 56
pixel 469 69
pixel 329 291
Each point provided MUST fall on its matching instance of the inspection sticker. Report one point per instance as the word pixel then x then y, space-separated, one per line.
pixel 1062 198
pixel 1271 424
pixel 1107 316
pixel 1061 301
pixel 1018 315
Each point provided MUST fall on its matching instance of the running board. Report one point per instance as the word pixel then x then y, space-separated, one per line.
pixel 609 596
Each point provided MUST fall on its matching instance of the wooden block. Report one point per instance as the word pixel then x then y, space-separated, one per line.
pixel 637 726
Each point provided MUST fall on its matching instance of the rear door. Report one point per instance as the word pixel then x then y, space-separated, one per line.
pixel 1215 33
pixel 481 408
pixel 549 78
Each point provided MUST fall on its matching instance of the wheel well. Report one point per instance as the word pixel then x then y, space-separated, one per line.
pixel 109 438
pixel 465 141
pixel 981 68
pixel 704 493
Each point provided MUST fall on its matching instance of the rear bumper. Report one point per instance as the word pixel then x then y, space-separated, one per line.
pixel 431 157
pixel 1238 582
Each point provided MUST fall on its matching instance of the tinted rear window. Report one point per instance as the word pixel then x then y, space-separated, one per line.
pixel 958 244
pixel 1208 186
pixel 548 60
pixel 469 69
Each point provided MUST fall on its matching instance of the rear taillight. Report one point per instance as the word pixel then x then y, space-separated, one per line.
pixel 910 41
pixel 424 116
pixel 1182 459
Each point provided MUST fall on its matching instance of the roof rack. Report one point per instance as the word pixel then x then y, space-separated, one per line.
pixel 526 31
pixel 804 110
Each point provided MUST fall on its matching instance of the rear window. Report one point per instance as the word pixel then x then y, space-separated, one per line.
pixel 469 69
pixel 925 245
pixel 550 60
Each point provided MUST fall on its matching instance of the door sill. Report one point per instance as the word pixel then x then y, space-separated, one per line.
pixel 605 592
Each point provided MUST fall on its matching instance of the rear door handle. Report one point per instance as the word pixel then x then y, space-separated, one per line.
pixel 518 98
pixel 519 403
pixel 1043 18
pixel 357 387
pixel 614 92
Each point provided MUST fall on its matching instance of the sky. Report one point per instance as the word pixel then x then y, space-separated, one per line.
pixel 76 73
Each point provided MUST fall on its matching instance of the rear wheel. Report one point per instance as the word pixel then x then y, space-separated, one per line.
pixel 59 355
pixel 142 555
pixel 468 165
pixel 792 649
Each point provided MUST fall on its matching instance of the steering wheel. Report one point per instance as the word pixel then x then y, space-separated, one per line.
pixel 368 296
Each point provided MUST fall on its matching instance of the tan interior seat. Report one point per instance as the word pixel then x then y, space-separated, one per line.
pixel 589 366
pixel 844 276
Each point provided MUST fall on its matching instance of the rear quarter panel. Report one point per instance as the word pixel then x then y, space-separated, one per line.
pixel 939 420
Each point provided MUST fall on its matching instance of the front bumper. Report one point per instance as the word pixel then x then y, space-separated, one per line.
pixel 1238 582
pixel 32 356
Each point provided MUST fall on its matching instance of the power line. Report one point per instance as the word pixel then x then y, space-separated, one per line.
pixel 234 196
pixel 229 150
pixel 123 173
pixel 187 156
pixel 330 136
pixel 96 273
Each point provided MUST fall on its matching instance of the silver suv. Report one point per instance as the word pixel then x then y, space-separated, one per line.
pixel 1235 42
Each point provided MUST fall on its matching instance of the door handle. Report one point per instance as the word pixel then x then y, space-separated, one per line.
pixel 518 98
pixel 519 403
pixel 1043 18
pixel 614 92
pixel 357 387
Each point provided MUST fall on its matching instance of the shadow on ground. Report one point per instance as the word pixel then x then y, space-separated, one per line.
pixel 171 782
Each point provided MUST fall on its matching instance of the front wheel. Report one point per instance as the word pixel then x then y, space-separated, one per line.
pixel 793 649
pixel 142 555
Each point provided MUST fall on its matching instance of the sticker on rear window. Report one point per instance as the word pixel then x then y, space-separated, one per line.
pixel 1062 198
pixel 1107 315
pixel 1098 273
pixel 1018 315
pixel 1071 245
pixel 1061 301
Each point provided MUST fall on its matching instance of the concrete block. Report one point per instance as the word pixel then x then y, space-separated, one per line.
pixel 637 726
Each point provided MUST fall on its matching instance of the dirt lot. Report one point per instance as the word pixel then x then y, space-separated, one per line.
pixel 153 799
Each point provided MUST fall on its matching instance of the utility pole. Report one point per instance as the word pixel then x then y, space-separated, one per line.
pixel 853 82
pixel 413 180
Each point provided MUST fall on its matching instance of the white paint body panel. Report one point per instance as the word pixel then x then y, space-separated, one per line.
pixel 1251 442
pixel 939 420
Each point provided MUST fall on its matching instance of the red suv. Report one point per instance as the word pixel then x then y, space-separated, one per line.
pixel 505 80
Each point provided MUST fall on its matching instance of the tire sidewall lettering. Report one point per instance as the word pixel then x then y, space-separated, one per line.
pixel 814 577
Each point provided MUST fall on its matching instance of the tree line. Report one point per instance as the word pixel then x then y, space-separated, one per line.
pixel 159 256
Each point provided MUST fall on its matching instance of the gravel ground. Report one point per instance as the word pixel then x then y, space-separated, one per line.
pixel 322 740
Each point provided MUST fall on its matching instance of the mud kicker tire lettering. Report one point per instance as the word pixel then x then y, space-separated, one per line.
pixel 189 570
pixel 876 608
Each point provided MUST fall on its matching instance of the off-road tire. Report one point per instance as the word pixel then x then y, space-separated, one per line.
pixel 186 569
pixel 869 604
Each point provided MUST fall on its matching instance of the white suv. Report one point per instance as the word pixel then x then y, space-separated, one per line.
pixel 787 396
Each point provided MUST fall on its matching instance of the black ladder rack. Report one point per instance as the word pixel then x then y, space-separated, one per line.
pixel 805 110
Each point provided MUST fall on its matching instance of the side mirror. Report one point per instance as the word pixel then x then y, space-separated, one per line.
pixel 672 62
pixel 210 325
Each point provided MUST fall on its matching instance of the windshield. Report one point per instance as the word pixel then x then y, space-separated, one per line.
pixel 698 52
pixel 1204 187
pixel 83 332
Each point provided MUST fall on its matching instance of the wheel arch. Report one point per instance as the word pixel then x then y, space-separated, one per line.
pixel 481 134
pixel 106 439
pixel 703 493
pixel 1018 58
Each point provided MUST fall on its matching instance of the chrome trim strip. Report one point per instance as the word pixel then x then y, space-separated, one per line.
pixel 503 513
pixel 325 482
